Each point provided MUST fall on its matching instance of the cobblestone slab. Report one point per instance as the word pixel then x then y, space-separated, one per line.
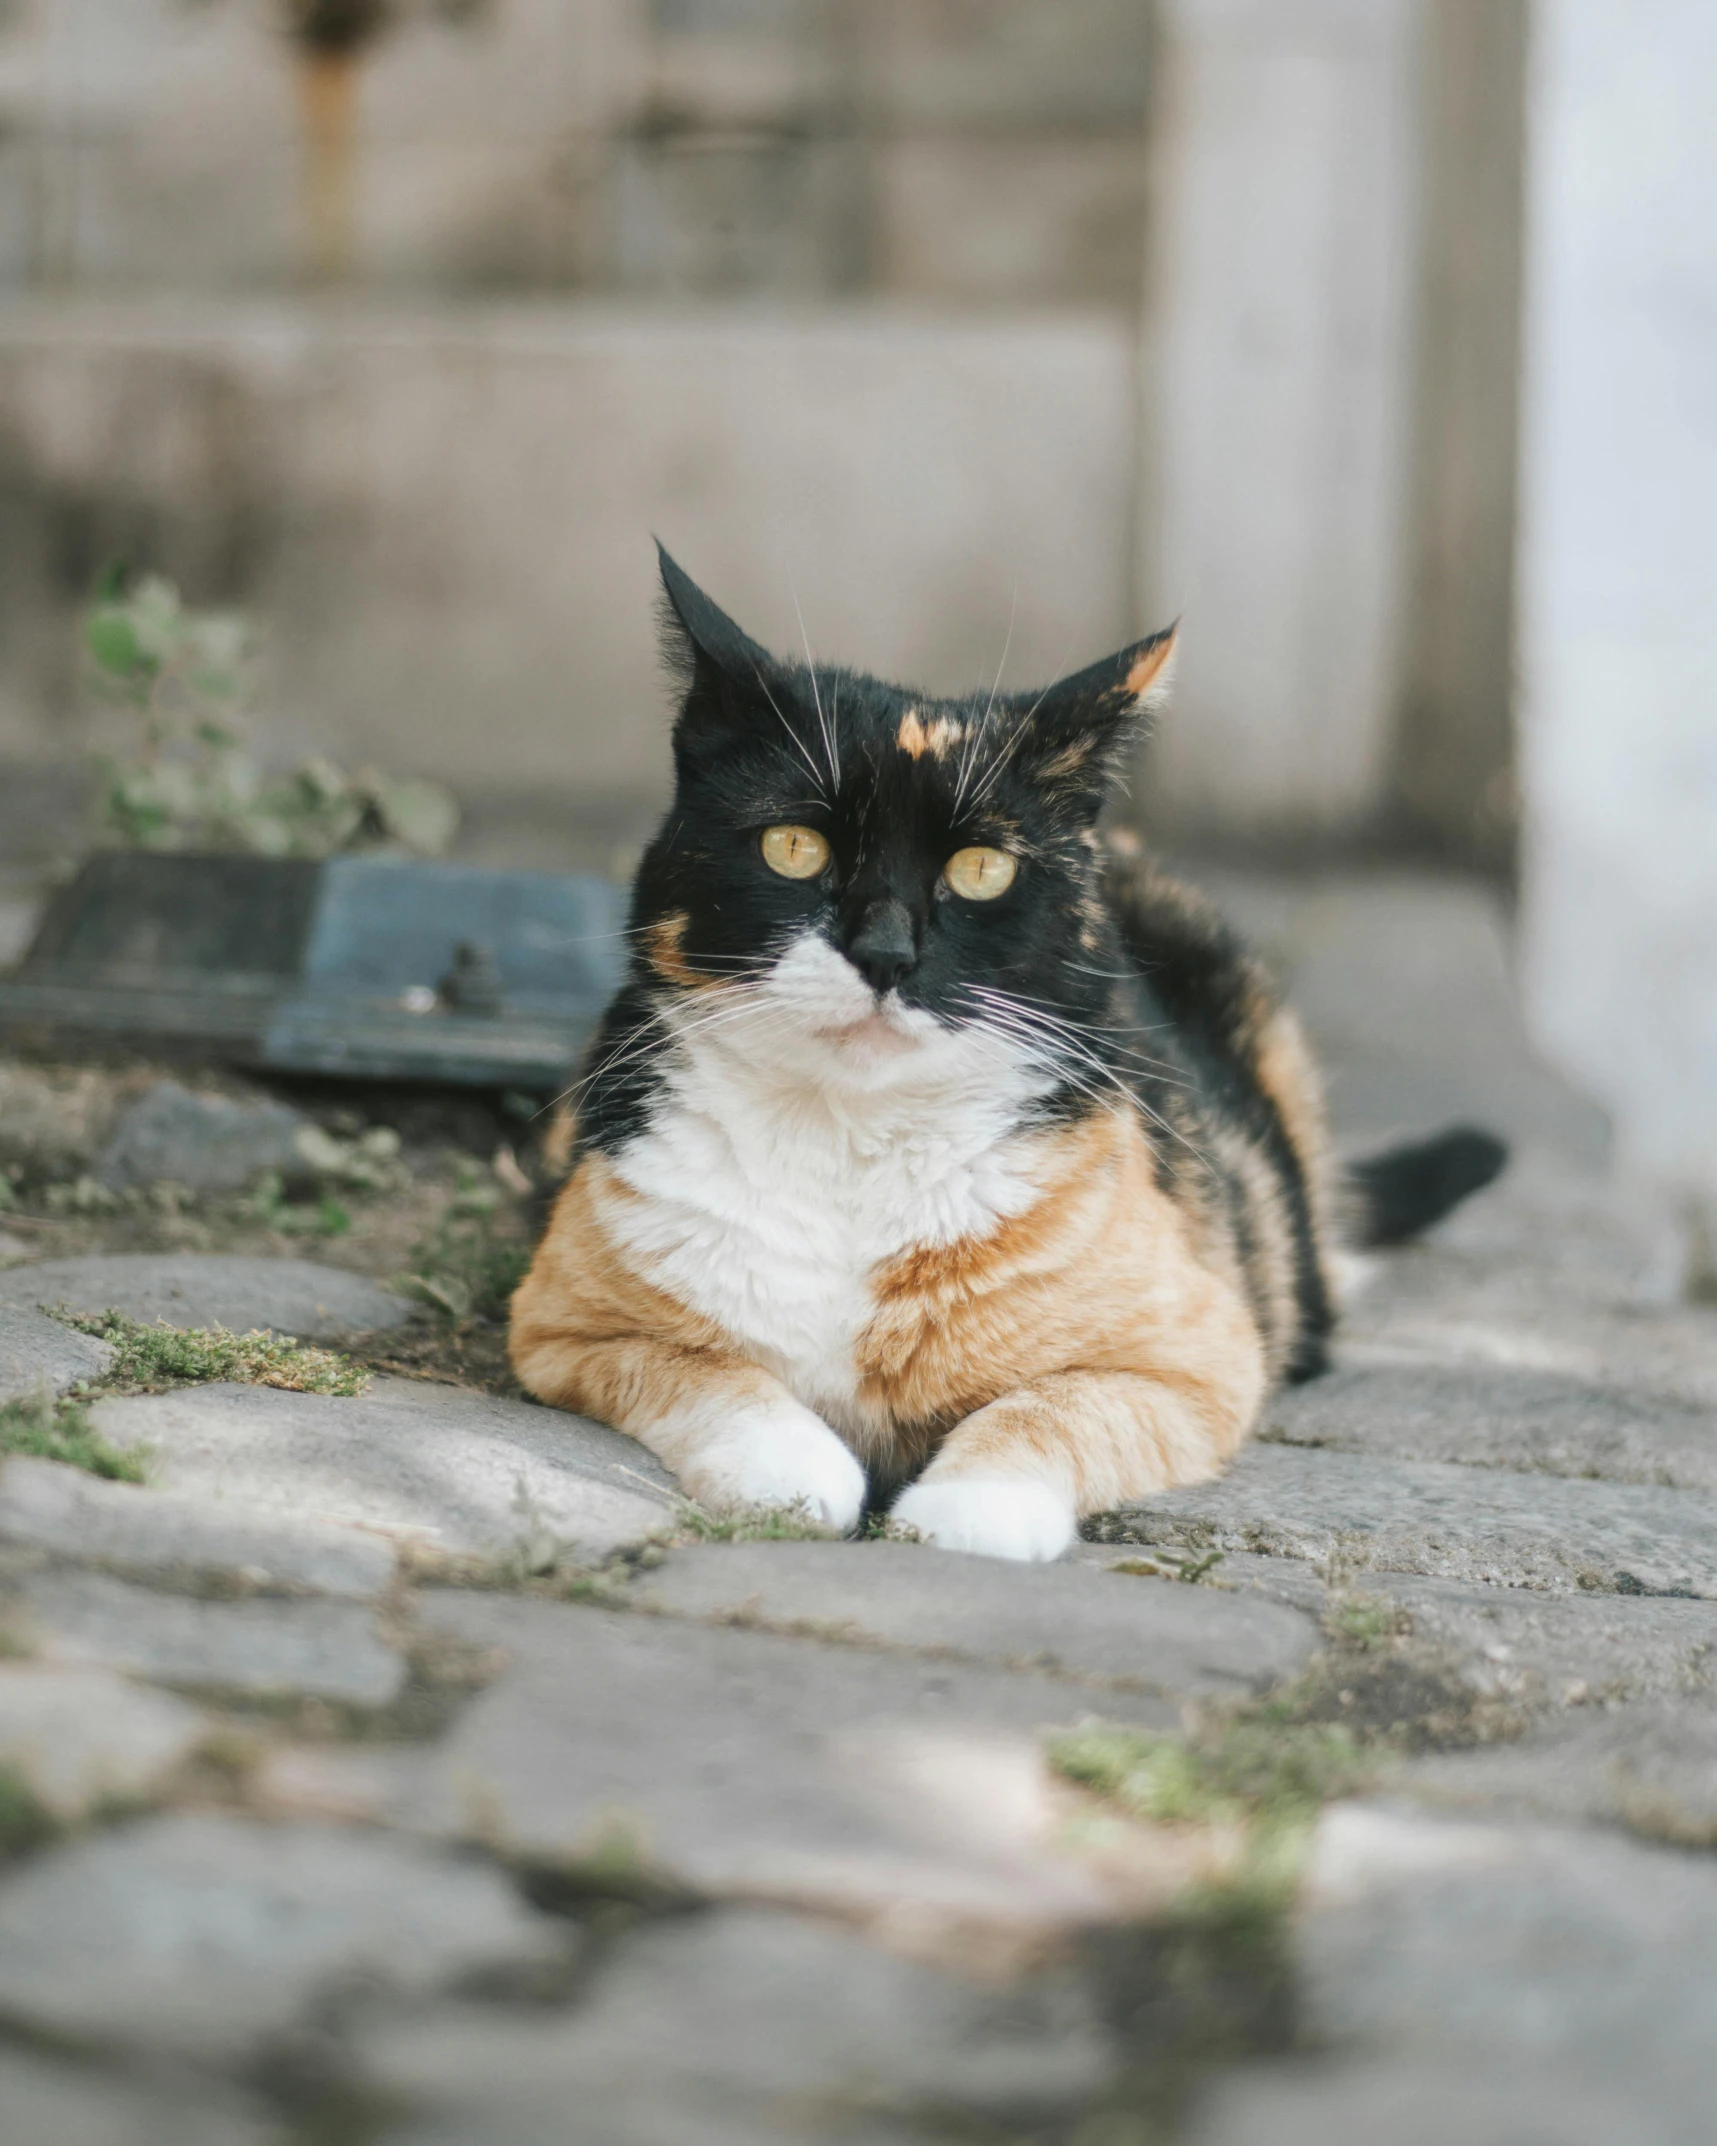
pixel 46 2103
pixel 1152 1633
pixel 39 1355
pixel 1461 1523
pixel 463 1473
pixel 1533 1649
pixel 325 1650
pixel 1652 1768
pixel 749 2018
pixel 749 1763
pixel 290 1296
pixel 201 1933
pixel 1559 1650
pixel 77 1737
pixel 161 1533
pixel 1379 2102
pixel 1459 1942
pixel 1497 1417
pixel 210 1143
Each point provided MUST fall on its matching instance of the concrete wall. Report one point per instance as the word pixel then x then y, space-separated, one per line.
pixel 444 522
pixel 1619 561
pixel 703 147
pixel 1278 383
pixel 436 503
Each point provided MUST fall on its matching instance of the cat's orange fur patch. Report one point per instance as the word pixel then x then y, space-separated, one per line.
pixel 1148 666
pixel 1095 1338
pixel 663 946
pixel 590 1334
pixel 916 740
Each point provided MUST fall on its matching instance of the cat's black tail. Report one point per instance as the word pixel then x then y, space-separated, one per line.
pixel 1395 1195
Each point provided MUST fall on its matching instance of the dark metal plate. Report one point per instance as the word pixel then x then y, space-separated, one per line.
pixel 362 966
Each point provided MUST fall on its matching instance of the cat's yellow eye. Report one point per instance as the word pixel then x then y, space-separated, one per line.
pixel 794 852
pixel 979 875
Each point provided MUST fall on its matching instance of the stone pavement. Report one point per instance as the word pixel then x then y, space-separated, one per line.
pixel 415 1768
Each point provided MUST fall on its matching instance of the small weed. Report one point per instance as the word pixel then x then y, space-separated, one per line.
pixel 471 1265
pixel 759 1523
pixel 1165 1564
pixel 82 1196
pixel 883 1527
pixel 1367 1622
pixel 185 681
pixel 62 1430
pixel 1233 1771
pixel 1259 1780
pixel 153 1359
pixel 321 1217
pixel 24 1822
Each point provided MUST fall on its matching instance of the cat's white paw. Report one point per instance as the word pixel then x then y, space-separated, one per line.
pixel 780 1460
pixel 1015 1516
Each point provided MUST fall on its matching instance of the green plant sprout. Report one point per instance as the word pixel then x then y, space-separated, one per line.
pixel 186 678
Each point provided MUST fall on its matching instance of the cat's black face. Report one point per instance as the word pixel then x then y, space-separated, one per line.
pixel 889 868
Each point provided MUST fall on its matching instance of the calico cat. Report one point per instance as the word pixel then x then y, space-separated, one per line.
pixel 932 1141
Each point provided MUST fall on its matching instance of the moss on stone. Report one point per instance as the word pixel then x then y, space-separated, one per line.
pixel 154 1359
pixel 47 1429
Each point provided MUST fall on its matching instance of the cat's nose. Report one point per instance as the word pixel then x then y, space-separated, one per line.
pixel 883 949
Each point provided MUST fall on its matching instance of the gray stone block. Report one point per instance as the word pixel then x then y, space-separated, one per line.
pixel 209 1143
pixel 1460 1523
pixel 78 1736
pixel 754 1764
pixel 779 2023
pixel 1155 1635
pixel 46 2103
pixel 1652 1768
pixel 159 1534
pixel 39 1355
pixel 201 1933
pixel 325 1650
pixel 1473 1944
pixel 455 1472
pixel 1383 2101
pixel 192 1289
pixel 1502 1417
pixel 1545 1650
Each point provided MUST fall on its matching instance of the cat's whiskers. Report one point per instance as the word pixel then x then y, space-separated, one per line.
pixel 1064 1042
pixel 816 696
pixel 799 745
pixel 982 724
pixel 1045 1011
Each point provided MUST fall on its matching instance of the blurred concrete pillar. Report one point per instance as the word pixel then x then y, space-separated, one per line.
pixel 1618 566
pixel 1454 748
pixel 1277 382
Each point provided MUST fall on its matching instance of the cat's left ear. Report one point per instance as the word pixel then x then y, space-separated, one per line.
pixel 1082 726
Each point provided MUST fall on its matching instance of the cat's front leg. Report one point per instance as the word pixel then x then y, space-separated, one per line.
pixel 734 1436
pixel 1015 1478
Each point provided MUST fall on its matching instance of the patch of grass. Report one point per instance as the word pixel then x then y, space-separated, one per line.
pixel 470 1265
pixel 62 1430
pixel 1240 1770
pixel 784 1523
pixel 1165 1564
pixel 1368 1622
pixel 1253 1776
pixel 154 1359
pixel 883 1527
pixel 24 1821
pixel 321 1217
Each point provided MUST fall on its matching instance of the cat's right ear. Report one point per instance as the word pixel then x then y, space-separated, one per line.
pixel 700 643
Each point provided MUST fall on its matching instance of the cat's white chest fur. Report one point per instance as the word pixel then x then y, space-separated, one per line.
pixel 772 1188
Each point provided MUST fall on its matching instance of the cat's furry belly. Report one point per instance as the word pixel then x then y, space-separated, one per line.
pixel 775 1230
